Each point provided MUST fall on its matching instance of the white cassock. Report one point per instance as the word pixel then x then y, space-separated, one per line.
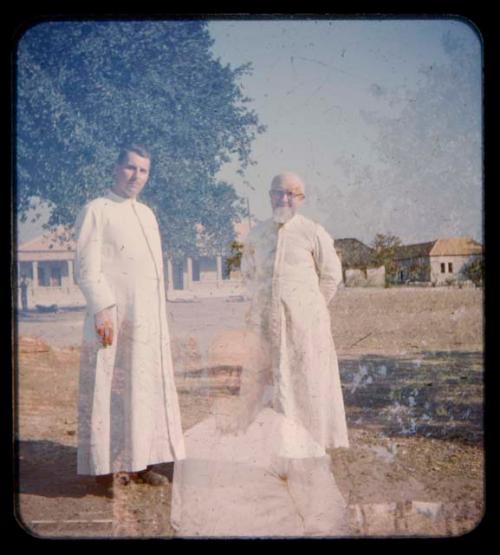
pixel 129 414
pixel 273 478
pixel 292 272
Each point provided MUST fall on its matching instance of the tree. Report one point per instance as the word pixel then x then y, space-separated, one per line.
pixel 385 247
pixel 85 88
pixel 474 271
pixel 233 262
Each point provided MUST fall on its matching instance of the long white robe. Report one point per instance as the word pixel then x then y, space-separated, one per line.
pixel 272 477
pixel 293 271
pixel 129 414
pixel 252 484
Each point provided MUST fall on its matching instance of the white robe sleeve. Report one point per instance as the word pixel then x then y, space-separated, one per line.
pixel 89 275
pixel 327 263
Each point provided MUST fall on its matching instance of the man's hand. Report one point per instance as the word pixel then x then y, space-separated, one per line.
pixel 104 326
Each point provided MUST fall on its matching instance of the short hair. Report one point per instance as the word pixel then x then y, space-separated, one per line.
pixel 141 150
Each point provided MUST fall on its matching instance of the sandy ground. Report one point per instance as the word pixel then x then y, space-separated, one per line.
pixel 411 366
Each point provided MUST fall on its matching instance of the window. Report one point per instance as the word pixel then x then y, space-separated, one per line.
pixel 196 269
pixel 43 280
pixel 55 276
pixel 450 267
pixel 50 273
pixel 443 267
pixel 226 272
pixel 178 274
pixel 25 269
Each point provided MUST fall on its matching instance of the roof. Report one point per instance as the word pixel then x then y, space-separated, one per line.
pixel 241 230
pixel 354 254
pixel 453 246
pixel 456 246
pixel 52 245
pixel 417 250
pixel 59 244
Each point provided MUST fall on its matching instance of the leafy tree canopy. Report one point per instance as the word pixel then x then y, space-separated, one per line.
pixel 385 246
pixel 474 270
pixel 86 88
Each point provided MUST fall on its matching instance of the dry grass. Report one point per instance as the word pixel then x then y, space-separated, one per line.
pixel 411 365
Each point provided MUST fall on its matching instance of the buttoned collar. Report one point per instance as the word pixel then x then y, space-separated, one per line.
pixel 118 198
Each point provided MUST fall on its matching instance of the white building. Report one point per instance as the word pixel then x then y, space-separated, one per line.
pixel 438 262
pixel 47 265
pixel 206 275
pixel 359 267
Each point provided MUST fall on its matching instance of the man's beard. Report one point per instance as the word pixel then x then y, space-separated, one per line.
pixel 282 214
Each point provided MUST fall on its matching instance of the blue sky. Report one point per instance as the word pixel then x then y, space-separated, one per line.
pixel 322 86
pixel 382 119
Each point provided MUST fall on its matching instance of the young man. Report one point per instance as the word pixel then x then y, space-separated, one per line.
pixel 129 418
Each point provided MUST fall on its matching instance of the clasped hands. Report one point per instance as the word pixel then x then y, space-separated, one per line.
pixel 104 326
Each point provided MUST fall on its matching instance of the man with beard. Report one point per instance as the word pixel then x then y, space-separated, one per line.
pixel 129 417
pixel 259 466
pixel 292 272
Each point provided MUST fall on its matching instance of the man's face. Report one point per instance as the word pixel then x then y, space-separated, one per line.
pixel 131 175
pixel 286 198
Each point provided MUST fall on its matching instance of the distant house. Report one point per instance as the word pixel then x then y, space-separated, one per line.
pixel 359 267
pixel 438 262
pixel 205 275
pixel 46 273
pixel 45 269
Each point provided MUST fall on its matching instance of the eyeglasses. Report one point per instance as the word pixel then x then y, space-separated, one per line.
pixel 288 194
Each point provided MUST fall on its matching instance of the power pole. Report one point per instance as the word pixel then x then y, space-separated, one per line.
pixel 249 216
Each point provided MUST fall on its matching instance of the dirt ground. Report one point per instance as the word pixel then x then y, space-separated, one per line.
pixel 411 365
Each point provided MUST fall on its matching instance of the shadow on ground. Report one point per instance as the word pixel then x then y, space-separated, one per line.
pixel 48 469
pixel 432 394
